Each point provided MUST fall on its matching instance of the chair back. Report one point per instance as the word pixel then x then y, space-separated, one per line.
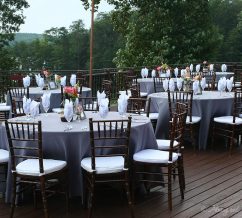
pixel 129 81
pixel 177 128
pixel 4 115
pixel 107 88
pixel 211 80
pixel 17 108
pixel 139 106
pixel 110 138
pixel 158 83
pixel 185 97
pixel 25 142
pixel 237 108
pixel 18 92
pixel 89 103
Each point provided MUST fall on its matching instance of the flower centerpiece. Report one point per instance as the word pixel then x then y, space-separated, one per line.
pixel 71 92
pixel 162 69
pixel 57 80
pixel 197 79
pixel 187 81
pixel 47 75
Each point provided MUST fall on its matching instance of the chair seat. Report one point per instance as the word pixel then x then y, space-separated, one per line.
pixel 143 94
pixel 30 167
pixel 154 156
pixel 164 144
pixel 195 119
pixel 4 156
pixel 228 120
pixel 5 108
pixel 104 165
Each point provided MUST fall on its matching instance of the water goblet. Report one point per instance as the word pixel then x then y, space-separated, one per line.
pixel 68 117
pixel 46 110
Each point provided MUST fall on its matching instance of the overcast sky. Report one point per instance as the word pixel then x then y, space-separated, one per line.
pixel 45 14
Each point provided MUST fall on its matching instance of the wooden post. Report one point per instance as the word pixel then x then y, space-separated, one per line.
pixel 91 46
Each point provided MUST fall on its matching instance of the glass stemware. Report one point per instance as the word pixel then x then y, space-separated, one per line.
pixel 68 118
pixel 46 110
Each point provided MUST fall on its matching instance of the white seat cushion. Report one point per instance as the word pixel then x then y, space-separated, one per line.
pixel 164 144
pixel 143 94
pixel 31 166
pixel 195 119
pixel 4 156
pixel 5 108
pixel 104 165
pixel 154 156
pixel 153 116
pixel 228 120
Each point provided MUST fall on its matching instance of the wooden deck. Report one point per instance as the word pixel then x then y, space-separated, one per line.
pixel 213 189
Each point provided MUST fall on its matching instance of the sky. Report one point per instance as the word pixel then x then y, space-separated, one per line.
pixel 45 14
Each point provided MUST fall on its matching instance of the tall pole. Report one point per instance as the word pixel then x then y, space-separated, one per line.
pixel 91 46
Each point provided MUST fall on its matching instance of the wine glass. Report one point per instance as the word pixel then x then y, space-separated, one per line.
pixel 68 117
pixel 46 108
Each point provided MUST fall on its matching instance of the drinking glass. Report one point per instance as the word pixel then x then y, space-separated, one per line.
pixel 46 110
pixel 68 118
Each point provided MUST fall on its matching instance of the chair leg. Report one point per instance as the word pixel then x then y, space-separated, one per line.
pixel 34 195
pixel 13 195
pixel 181 179
pixel 169 187
pixel 42 187
pixel 213 135
pixel 127 189
pixel 231 141
pixel 180 163
pixel 90 198
pixel 192 137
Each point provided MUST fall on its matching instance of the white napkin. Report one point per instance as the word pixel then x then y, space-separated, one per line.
pixel 211 66
pixel 26 105
pixel 229 84
pixel 122 103
pixel 176 72
pixel 179 83
pixel 34 108
pixel 63 81
pixel 41 82
pixel 146 72
pixel 46 100
pixel 168 73
pixel 73 79
pixel 100 96
pixel 183 72
pixel 166 84
pixel 195 87
pixel 232 79
pixel 224 67
pixel 222 84
pixel 26 81
pixel 142 72
pixel 37 77
pixel 68 109
pixel 103 107
pixel 171 85
pixel 191 67
pixel 203 83
pixel 198 68
pixel 153 73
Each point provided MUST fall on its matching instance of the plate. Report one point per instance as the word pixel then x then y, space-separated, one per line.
pixel 58 110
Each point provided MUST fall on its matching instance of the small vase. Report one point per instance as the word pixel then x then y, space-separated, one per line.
pixel 186 87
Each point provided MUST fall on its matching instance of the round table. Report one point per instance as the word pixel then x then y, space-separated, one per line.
pixel 208 105
pixel 73 145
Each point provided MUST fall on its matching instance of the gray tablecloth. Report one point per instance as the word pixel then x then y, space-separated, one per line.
pixel 74 145
pixel 208 105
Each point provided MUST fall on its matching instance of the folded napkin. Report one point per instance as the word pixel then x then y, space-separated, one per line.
pixel 168 73
pixel 122 103
pixel 198 66
pixel 100 96
pixel 165 84
pixel 232 79
pixel 153 73
pixel 179 83
pixel 203 83
pixel 176 72
pixel 183 72
pixel 211 66
pixel 34 108
pixel 73 79
pixel 171 85
pixel 26 81
pixel 37 77
pixel 224 67
pixel 26 105
pixel 63 81
pixel 41 83
pixel 191 68
pixel 46 100
pixel 222 84
pixel 142 72
pixel 229 84
pixel 103 107
pixel 195 87
pixel 146 72
pixel 68 110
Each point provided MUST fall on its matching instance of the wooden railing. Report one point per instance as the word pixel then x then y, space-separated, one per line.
pixel 11 78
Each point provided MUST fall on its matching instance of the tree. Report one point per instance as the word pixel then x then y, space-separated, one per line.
pixel 11 16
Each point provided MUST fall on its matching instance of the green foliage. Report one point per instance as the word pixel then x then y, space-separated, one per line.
pixel 26 37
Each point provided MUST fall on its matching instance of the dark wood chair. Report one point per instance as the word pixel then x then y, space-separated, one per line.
pixel 109 160
pixel 146 160
pixel 192 122
pixel 107 88
pixel 230 127
pixel 89 103
pixel 158 83
pixel 28 165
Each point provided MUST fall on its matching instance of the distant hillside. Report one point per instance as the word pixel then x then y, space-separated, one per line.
pixel 26 37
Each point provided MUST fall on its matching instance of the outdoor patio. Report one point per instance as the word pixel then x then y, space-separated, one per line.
pixel 213 189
